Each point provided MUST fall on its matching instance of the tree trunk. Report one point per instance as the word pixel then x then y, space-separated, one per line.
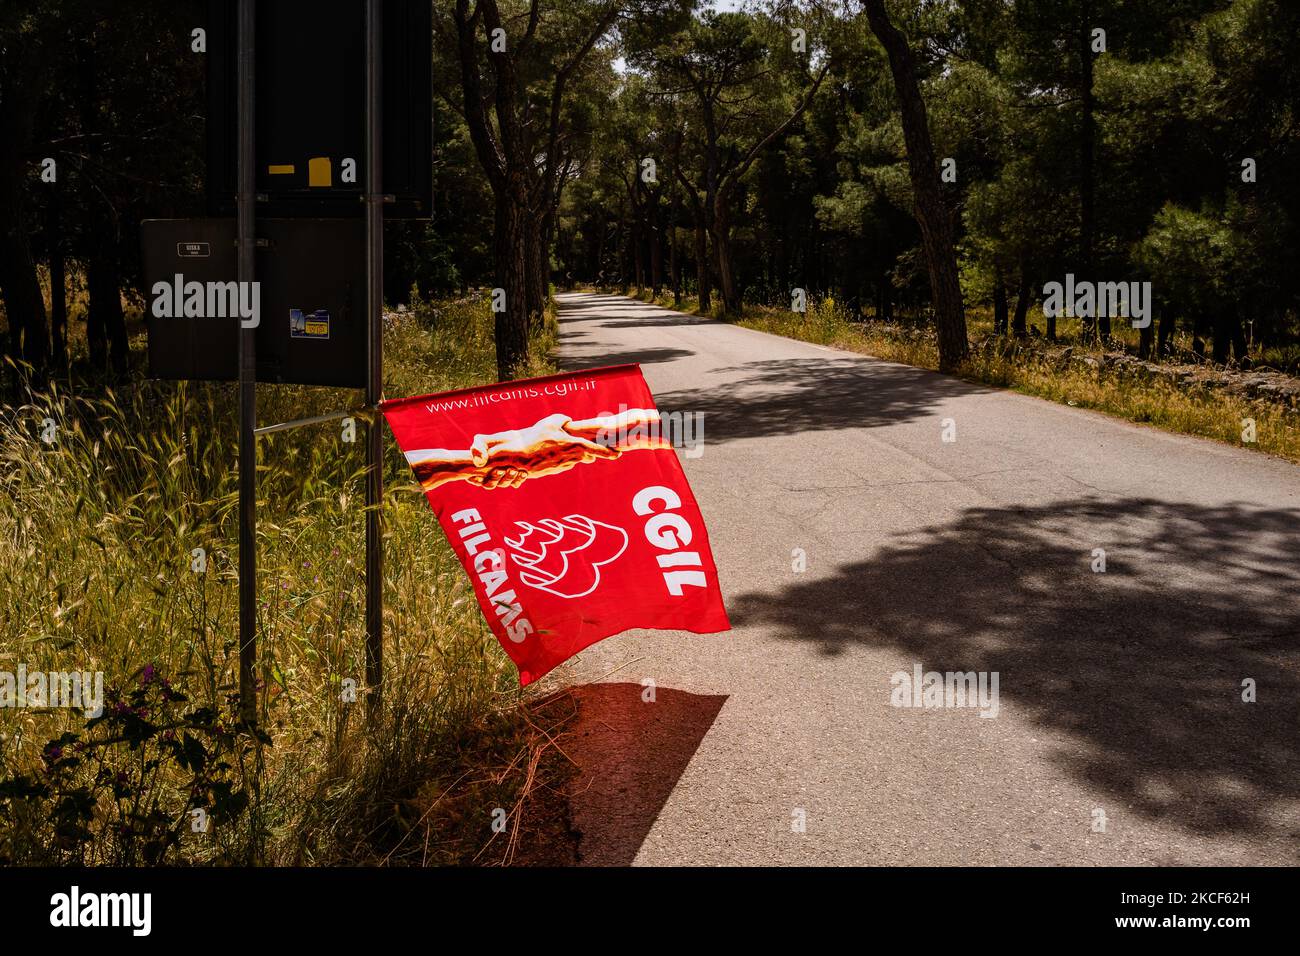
pixel 1240 348
pixel 721 233
pixel 931 212
pixel 884 298
pixel 548 243
pixel 638 257
pixel 58 285
pixel 24 305
pixel 1146 337
pixel 96 327
pixel 702 267
pixel 1018 323
pixel 538 273
pixel 1167 323
pixel 105 325
pixel 656 249
pixel 104 285
pixel 1000 306
pixel 1228 328
pixel 511 325
pixel 674 257
pixel 508 155
pixel 1221 329
pixel 1087 150
pixel 775 278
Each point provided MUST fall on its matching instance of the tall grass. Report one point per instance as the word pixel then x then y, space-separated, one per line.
pixel 98 535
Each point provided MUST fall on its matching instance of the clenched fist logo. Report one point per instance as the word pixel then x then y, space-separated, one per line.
pixel 564 555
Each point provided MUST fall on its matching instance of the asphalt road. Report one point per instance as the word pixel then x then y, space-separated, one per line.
pixel 1120 734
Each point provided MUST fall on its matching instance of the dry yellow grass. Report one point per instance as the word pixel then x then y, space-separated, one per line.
pixel 1202 411
pixel 97 533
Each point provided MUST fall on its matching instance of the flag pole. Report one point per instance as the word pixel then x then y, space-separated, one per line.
pixel 374 200
pixel 245 200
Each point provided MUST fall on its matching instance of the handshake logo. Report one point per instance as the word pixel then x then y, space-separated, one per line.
pixel 637 428
pixel 554 444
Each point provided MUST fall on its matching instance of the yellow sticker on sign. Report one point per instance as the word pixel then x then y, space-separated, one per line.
pixel 309 325
pixel 320 171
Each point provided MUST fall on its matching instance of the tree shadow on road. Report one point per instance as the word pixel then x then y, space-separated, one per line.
pixel 796 396
pixel 770 396
pixel 659 319
pixel 577 363
pixel 629 755
pixel 633 313
pixel 1140 667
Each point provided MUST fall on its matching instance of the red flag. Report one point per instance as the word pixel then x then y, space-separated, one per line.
pixel 566 503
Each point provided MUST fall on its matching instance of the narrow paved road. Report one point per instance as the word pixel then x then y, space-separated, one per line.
pixel 1120 737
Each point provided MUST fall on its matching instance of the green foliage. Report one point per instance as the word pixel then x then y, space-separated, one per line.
pixel 1183 93
pixel 128 787
pixel 1193 256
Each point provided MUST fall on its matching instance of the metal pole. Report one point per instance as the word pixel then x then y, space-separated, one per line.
pixel 245 200
pixel 362 412
pixel 375 354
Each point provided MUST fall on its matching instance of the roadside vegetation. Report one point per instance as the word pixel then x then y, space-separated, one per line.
pixel 99 572
pixel 1075 370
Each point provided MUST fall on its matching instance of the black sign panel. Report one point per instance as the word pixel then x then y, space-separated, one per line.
pixel 311 300
pixel 310 106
